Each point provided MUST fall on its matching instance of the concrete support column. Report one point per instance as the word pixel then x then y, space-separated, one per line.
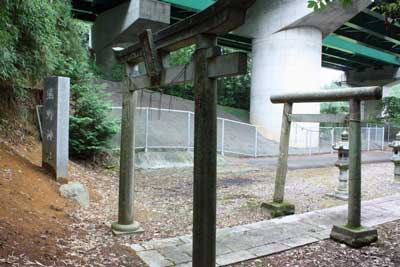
pixel 286 61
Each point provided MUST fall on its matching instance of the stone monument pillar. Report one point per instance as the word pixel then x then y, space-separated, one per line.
pixel 56 126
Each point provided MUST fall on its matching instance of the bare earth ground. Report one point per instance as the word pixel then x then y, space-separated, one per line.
pixel 39 228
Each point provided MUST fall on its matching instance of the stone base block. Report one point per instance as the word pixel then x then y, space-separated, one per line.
pixel 355 238
pixel 338 195
pixel 121 229
pixel 278 209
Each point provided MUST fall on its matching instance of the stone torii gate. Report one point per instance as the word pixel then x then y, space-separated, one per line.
pixel 207 65
pixel 352 233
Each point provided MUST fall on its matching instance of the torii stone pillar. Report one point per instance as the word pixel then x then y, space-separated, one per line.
pixel 287 40
pixel 353 233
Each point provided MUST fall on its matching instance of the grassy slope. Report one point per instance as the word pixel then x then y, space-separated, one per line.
pixel 243 114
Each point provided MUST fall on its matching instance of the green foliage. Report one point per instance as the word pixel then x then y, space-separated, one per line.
pixel 28 40
pixel 239 113
pixel 90 128
pixel 321 4
pixel 392 109
pixel 232 91
pixel 235 91
pixel 116 73
pixel 40 39
pixel 334 107
pixel 390 9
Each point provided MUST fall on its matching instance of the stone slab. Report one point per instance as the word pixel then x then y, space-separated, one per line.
pixel 175 255
pixel 236 256
pixel 55 126
pixel 268 249
pixel 244 242
pixel 279 209
pixel 355 238
pixel 154 259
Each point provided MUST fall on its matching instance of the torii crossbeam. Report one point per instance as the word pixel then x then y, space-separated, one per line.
pixel 208 64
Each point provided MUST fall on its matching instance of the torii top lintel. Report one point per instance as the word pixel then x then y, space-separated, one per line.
pixel 220 18
pixel 343 94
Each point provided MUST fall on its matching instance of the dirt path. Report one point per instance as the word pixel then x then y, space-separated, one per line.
pixel 40 228
pixel 32 214
pixel 38 225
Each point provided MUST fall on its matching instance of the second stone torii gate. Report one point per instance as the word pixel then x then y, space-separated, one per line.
pixel 207 65
pixel 353 233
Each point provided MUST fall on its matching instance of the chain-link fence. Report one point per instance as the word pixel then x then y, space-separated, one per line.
pixel 163 129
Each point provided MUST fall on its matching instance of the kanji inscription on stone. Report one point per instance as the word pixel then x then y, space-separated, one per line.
pixel 56 125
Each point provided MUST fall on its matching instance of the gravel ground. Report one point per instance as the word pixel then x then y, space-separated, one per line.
pixel 163 206
pixel 241 192
pixel 385 252
pixel 164 203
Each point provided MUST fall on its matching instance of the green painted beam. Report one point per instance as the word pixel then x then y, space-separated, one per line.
pixel 195 5
pixel 349 60
pixel 353 47
pixel 372 33
pixel 379 16
pixel 334 66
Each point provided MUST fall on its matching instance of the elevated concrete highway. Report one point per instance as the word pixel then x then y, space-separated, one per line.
pixel 289 44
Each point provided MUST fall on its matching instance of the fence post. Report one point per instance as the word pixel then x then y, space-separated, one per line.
pixel 319 139
pixel 255 141
pixel 383 138
pixel 146 130
pixel 332 138
pixel 222 137
pixel 188 132
pixel 368 138
pixel 309 133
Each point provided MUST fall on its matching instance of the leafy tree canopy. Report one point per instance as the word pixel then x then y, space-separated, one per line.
pixel 321 4
pixel 389 8
pixel 40 38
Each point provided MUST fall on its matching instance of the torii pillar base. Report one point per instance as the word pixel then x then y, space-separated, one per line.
pixel 276 209
pixel 120 229
pixel 354 237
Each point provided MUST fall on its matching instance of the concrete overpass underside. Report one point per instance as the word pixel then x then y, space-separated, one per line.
pixel 365 41
pixel 289 40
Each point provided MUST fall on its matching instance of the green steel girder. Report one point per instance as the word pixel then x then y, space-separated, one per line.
pixel 353 47
pixel 335 66
pixel 191 4
pixel 344 60
pixel 376 23
pixel 371 31
pixel 361 42
pixel 379 16
pixel 338 64
pixel 355 61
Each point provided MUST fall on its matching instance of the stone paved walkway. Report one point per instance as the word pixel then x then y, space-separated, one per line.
pixel 244 242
